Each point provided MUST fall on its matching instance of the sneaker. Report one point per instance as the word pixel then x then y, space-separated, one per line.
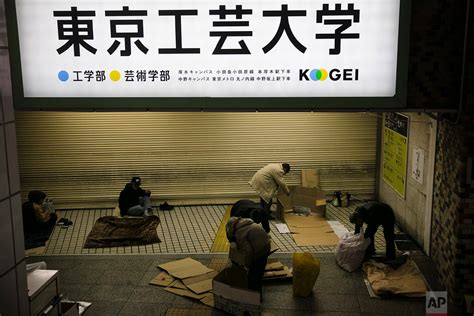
pixel 61 221
pixel 166 207
pixel 67 223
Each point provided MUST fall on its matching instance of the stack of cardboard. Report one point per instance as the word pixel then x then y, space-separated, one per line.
pixel 276 270
pixel 187 277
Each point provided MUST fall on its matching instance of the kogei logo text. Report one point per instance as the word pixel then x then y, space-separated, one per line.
pixel 333 74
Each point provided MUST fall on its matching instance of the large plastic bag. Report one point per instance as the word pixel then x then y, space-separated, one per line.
pixel 350 250
pixel 305 272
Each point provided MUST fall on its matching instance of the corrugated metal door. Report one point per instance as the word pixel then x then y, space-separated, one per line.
pixel 80 157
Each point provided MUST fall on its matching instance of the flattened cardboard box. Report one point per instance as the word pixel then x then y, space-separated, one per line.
pixel 314 198
pixel 185 268
pixel 231 293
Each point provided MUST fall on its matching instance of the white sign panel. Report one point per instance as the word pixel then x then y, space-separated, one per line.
pixel 294 48
pixel 417 164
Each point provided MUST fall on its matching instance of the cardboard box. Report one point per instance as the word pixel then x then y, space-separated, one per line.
pixel 238 256
pixel 69 309
pixel 314 198
pixel 231 293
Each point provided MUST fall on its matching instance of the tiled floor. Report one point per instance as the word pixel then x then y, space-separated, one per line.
pixel 118 285
pixel 186 229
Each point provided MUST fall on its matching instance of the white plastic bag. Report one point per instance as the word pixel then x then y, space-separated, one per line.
pixel 350 250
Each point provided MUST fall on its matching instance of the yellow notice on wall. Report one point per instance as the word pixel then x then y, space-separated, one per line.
pixel 395 149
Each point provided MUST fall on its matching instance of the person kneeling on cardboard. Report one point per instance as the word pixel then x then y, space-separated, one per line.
pixel 254 242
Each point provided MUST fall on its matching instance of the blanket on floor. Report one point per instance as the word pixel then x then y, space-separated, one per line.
pixel 404 279
pixel 111 231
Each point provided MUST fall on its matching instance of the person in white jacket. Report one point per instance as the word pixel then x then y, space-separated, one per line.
pixel 266 182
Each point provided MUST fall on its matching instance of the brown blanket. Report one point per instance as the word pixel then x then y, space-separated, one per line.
pixel 111 231
pixel 405 280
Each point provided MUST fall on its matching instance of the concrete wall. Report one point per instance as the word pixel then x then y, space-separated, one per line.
pixel 413 211
pixel 13 287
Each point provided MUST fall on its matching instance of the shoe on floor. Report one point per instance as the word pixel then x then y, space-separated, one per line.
pixel 61 221
pixel 66 223
pixel 166 207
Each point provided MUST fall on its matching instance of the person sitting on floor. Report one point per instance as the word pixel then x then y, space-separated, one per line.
pixel 375 214
pixel 133 200
pixel 39 219
pixel 253 210
pixel 254 242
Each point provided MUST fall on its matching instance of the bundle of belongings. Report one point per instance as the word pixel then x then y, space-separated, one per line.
pixel 396 277
pixel 112 231
pixel 350 251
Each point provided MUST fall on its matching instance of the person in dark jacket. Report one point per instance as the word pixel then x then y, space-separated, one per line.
pixel 253 210
pixel 376 214
pixel 38 223
pixel 134 200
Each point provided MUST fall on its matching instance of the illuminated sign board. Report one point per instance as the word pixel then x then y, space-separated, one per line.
pixel 395 150
pixel 260 54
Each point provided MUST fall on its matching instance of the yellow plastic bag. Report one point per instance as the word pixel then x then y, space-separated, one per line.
pixel 305 272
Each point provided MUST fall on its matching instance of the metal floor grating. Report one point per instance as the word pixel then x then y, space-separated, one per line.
pixel 186 229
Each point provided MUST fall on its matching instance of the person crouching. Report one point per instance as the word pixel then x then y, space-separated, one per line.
pixel 254 242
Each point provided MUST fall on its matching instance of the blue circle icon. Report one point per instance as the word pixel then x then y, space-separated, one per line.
pixel 314 74
pixel 63 75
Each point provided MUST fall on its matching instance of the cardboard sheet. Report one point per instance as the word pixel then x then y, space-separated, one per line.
pixel 310 178
pixel 311 230
pixel 274 266
pixel 282 228
pixel 208 300
pixel 313 198
pixel 177 284
pixel 185 268
pixel 186 293
pixel 201 283
pixel 285 273
pixel 162 279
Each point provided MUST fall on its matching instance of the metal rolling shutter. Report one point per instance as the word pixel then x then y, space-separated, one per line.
pixel 80 157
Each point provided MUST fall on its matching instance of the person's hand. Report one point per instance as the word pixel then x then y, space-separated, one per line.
pixel 147 192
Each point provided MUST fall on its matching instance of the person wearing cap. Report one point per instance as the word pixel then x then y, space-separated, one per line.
pixel 253 210
pixel 266 182
pixel 376 214
pixel 134 200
